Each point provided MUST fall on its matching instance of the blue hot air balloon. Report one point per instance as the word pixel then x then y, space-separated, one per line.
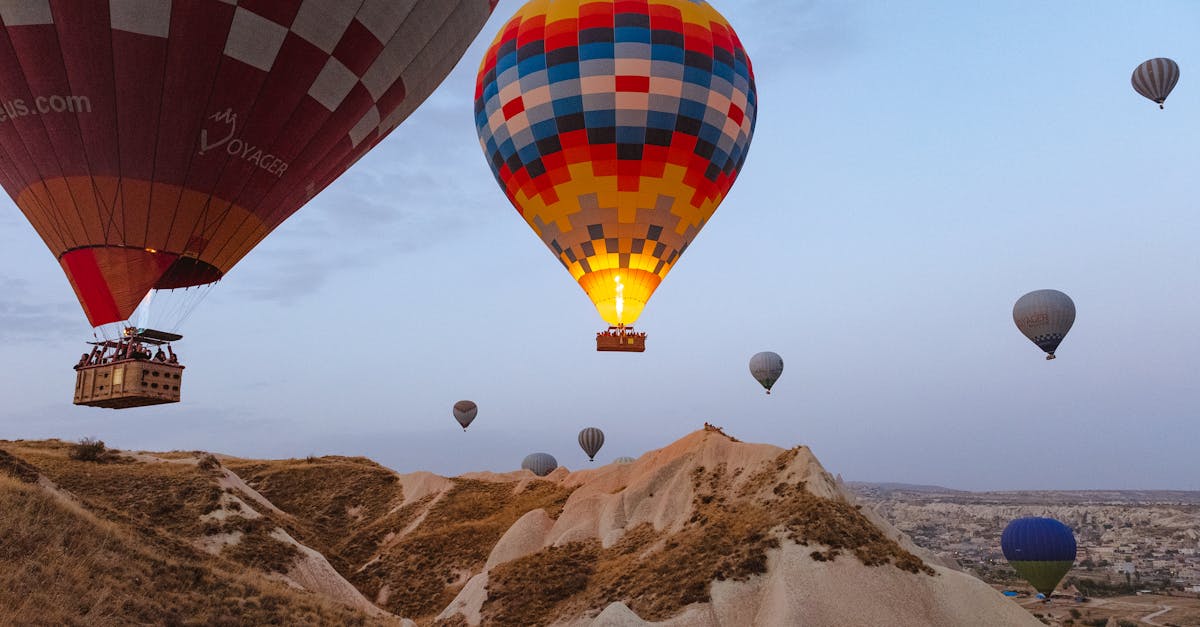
pixel 1041 550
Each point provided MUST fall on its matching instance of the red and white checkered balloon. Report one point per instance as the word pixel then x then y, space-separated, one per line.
pixel 153 143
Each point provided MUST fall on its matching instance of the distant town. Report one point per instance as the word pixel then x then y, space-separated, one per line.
pixel 1129 541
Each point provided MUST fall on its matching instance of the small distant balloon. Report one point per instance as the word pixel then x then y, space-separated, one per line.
pixel 1045 316
pixel 540 464
pixel 766 368
pixel 624 460
pixel 465 412
pixel 590 440
pixel 1155 79
pixel 1041 550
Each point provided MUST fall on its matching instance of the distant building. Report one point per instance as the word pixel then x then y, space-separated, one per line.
pixel 1124 568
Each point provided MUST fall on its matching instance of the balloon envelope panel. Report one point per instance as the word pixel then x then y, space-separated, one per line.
pixel 1043 576
pixel 153 144
pixel 616 128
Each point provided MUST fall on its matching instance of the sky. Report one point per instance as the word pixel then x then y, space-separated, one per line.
pixel 916 168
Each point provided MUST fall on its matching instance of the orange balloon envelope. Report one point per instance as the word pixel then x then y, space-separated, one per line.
pixel 616 127
pixel 153 144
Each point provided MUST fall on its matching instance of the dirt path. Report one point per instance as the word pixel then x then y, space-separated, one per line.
pixel 1149 618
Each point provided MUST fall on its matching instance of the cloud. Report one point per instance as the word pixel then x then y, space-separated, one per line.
pixel 426 183
pixel 24 319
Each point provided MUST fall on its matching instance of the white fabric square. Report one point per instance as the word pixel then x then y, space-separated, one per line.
pixel 25 12
pixel 254 40
pixel 368 123
pixel 323 22
pixel 332 84
pixel 383 17
pixel 145 17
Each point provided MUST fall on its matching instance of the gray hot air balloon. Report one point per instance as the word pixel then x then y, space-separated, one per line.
pixel 464 413
pixel 1045 316
pixel 540 464
pixel 590 440
pixel 1155 79
pixel 624 460
pixel 766 368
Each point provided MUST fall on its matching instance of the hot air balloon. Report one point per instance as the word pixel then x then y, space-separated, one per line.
pixel 152 145
pixel 1155 79
pixel 540 464
pixel 1045 316
pixel 1041 550
pixel 615 129
pixel 465 412
pixel 590 440
pixel 766 367
pixel 624 460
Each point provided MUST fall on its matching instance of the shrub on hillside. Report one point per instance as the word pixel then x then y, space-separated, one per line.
pixel 90 450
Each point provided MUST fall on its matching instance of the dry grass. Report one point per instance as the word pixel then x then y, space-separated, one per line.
pixel 363 545
pixel 257 548
pixel 162 501
pixel 658 574
pixel 339 504
pixel 323 490
pixel 343 508
pixel 334 495
pixel 427 568
pixel 17 468
pixel 62 566
pixel 529 591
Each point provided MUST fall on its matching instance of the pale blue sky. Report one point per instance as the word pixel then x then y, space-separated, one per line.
pixel 917 167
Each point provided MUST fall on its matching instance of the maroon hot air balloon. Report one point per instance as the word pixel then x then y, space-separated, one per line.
pixel 152 144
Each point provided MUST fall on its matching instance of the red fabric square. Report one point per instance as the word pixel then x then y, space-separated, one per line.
pixel 513 107
pixel 639 84
pixel 358 48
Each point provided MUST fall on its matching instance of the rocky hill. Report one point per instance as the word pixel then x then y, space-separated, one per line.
pixel 707 531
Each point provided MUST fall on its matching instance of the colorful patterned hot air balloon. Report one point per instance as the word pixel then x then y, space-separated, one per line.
pixel 465 412
pixel 540 464
pixel 1155 79
pixel 590 440
pixel 616 127
pixel 1045 317
pixel 152 144
pixel 1041 550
